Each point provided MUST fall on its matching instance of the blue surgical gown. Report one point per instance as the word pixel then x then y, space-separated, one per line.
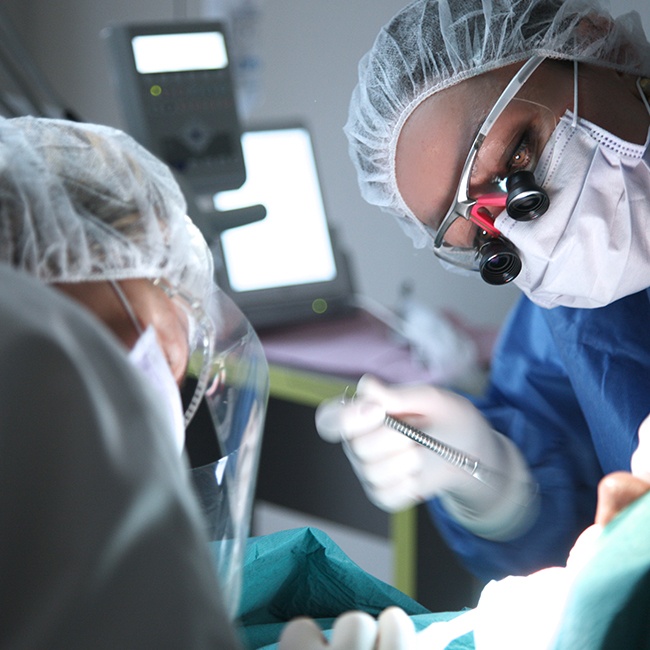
pixel 570 388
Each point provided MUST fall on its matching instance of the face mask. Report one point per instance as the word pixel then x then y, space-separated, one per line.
pixel 592 247
pixel 149 358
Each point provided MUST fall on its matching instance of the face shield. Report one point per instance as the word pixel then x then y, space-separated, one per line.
pixel 498 174
pixel 227 387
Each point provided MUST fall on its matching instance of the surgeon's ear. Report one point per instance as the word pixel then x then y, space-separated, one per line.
pixel 594 27
pixel 99 298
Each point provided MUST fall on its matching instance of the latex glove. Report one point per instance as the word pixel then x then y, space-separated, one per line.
pixel 397 473
pixel 393 630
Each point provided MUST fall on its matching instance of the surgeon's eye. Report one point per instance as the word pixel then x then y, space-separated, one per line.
pixel 519 157
pixel 522 156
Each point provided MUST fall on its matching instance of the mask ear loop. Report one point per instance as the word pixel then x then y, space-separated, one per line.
pixel 206 330
pixel 575 94
pixel 644 98
pixel 127 306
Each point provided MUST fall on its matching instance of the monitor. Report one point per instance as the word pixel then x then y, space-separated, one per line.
pixel 174 82
pixel 287 267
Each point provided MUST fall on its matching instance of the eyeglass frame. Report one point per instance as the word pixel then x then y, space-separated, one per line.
pixel 463 205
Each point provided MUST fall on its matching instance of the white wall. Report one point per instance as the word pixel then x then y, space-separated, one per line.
pixel 310 50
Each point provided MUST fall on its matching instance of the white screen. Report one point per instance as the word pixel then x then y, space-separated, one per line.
pixel 179 52
pixel 291 246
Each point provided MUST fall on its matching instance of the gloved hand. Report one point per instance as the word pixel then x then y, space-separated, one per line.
pixel 393 630
pixel 397 473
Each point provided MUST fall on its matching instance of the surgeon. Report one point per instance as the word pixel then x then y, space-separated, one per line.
pixel 106 291
pixel 510 138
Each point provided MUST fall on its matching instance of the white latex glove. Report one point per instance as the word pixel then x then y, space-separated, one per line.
pixel 397 473
pixel 393 630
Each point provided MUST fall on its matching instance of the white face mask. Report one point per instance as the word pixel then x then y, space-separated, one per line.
pixel 592 247
pixel 149 358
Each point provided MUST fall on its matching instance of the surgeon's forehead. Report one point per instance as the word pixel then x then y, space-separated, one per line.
pixel 435 140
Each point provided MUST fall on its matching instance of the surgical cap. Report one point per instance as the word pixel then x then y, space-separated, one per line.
pixel 431 45
pixel 82 202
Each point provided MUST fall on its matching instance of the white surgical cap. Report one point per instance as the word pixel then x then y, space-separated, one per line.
pixel 82 202
pixel 434 44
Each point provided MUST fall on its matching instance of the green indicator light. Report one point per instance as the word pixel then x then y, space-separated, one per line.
pixel 155 90
pixel 319 306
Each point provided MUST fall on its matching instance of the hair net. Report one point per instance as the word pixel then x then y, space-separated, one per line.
pixel 434 44
pixel 82 202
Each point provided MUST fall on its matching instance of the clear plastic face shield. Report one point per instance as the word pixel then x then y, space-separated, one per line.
pixel 498 174
pixel 201 338
pixel 228 394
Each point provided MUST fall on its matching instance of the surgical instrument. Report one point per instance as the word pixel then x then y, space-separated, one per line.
pixel 486 475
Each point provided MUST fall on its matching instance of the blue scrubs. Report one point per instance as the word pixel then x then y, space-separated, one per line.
pixel 570 387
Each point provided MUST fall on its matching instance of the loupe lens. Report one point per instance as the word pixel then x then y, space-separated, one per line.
pixel 499 262
pixel 526 200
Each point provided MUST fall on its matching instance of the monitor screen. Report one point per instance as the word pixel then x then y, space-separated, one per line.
pixel 289 256
pixel 155 53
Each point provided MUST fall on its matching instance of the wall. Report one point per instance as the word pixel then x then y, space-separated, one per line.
pixel 309 50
